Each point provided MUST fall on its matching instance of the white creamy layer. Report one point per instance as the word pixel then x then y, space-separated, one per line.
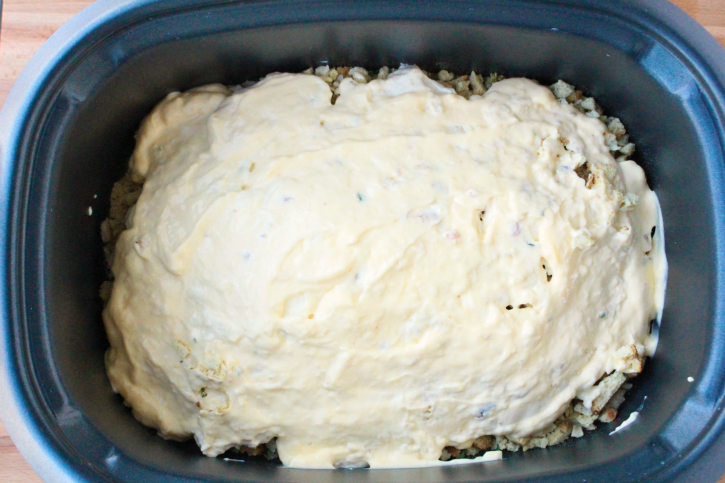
pixel 365 281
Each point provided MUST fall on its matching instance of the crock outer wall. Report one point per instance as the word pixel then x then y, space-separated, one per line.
pixel 27 406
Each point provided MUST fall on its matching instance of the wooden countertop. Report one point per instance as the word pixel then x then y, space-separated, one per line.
pixel 26 24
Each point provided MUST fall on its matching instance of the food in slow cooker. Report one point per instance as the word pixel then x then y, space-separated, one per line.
pixel 380 272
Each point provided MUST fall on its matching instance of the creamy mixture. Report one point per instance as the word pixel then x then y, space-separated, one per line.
pixel 375 280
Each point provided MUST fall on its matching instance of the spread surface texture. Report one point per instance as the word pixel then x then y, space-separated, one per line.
pixel 373 280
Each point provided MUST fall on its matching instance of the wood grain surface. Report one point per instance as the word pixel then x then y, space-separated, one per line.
pixel 26 24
